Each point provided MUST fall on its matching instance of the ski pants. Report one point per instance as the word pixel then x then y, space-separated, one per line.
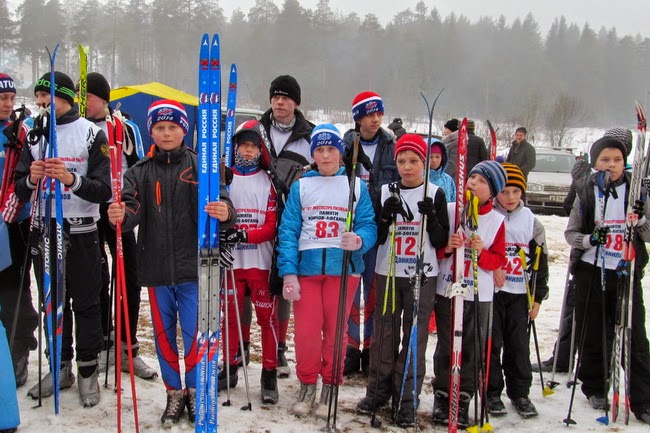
pixel 82 286
pixel 442 354
pixel 315 320
pixel 510 355
pixel 367 289
pixel 129 247
pixel 589 309
pixel 562 347
pixel 387 368
pixel 265 310
pixel 24 339
pixel 169 305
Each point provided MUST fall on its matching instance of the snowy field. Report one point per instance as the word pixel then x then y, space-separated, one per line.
pixel 275 419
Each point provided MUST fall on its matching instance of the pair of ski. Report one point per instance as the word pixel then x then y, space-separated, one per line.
pixel 209 266
pixel 623 325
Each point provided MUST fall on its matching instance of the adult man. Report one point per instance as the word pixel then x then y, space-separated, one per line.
pixel 98 96
pixel 522 153
pixel 15 218
pixel 289 134
pixel 397 127
pixel 378 168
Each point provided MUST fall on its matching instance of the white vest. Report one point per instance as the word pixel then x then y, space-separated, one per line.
pixel 406 236
pixel 519 232
pixel 324 205
pixel 250 196
pixel 488 227
pixel 279 139
pixel 615 220
pixel 74 142
pixel 370 150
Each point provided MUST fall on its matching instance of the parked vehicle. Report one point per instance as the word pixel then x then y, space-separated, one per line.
pixel 550 180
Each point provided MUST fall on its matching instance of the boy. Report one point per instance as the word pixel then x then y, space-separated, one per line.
pixel 386 373
pixel 312 241
pixel 512 314
pixel 485 181
pixel 596 226
pixel 84 171
pixel 160 194
pixel 376 168
pixel 254 198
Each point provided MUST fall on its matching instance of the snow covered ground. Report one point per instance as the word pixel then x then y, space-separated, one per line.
pixel 271 419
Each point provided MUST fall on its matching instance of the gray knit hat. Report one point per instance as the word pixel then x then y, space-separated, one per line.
pixel 625 135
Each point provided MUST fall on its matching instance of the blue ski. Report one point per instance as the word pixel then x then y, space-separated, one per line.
pixel 208 235
pixel 230 114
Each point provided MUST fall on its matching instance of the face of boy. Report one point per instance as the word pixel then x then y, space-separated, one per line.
pixel 167 135
pixel 479 186
pixel 327 158
pixel 509 198
pixel 43 100
pixel 283 108
pixel 248 150
pixel 370 124
pixel 611 159
pixel 7 100
pixel 410 167
pixel 95 107
pixel 435 161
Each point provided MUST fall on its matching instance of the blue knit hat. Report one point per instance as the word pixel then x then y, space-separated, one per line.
pixel 494 173
pixel 326 134
pixel 167 110
pixel 366 103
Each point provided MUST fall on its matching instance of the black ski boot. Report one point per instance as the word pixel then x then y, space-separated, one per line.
pixel 463 410
pixel 406 416
pixel 269 386
pixel 495 406
pixel 223 378
pixel 367 405
pixel 283 366
pixel 440 413
pixel 524 407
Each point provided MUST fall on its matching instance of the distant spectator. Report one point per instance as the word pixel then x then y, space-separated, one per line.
pixel 397 128
pixel 450 126
pixel 522 153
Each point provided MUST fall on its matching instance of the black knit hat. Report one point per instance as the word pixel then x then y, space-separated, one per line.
pixel 625 135
pixel 98 86
pixel 604 143
pixel 285 85
pixel 452 125
pixel 63 86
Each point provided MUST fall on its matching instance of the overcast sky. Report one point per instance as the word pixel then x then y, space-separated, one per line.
pixel 628 16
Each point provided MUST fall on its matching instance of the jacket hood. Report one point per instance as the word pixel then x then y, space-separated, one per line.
pixel 264 142
pixel 451 138
pixel 445 157
pixel 503 211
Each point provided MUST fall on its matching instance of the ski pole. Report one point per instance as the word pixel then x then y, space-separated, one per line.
pixel 249 405
pixel 556 349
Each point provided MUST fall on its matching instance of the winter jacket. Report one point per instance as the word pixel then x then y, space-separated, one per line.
pixel 397 129
pixel 442 179
pixel 383 170
pixel 322 261
pixel 538 239
pixel 11 208
pixel 88 162
pixel 522 155
pixel 476 152
pixel 160 193
pixel 582 222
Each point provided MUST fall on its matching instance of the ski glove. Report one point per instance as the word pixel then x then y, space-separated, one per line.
pixel 425 207
pixel 226 258
pixel 392 206
pixel 291 288
pixel 233 236
pixel 639 207
pixel 599 236
pixel 350 241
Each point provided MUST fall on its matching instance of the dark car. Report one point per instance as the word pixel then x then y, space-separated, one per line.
pixel 550 180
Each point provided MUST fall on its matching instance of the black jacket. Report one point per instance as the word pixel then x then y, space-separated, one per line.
pixel 160 192
pixel 523 155
pixel 476 151
pixel 384 169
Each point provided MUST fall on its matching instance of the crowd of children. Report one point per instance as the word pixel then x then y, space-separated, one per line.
pixel 308 232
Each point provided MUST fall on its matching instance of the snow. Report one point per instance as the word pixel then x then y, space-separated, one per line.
pixel 269 419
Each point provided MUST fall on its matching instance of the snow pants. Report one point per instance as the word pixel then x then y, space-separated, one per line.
pixel 367 289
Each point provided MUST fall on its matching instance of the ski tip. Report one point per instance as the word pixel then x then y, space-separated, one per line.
pixel 547 391
pixel 603 420
pixel 215 39
pixel 233 68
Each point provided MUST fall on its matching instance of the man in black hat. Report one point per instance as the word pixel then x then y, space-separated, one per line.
pixel 98 96
pixel 397 127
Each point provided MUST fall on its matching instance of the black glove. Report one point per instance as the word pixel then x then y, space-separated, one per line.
pixel 638 208
pixel 580 169
pixel 233 236
pixel 425 207
pixel 599 236
pixel 226 258
pixel 392 206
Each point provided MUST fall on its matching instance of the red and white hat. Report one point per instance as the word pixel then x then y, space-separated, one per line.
pixel 411 142
pixel 366 103
pixel 167 110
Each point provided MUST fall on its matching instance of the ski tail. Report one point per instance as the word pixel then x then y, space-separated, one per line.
pixel 493 141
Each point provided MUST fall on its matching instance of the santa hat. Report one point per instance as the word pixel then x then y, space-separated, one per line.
pixel 366 103
pixel 167 110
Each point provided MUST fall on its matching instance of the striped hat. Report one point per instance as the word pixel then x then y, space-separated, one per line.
pixel 366 103
pixel 326 134
pixel 494 173
pixel 411 142
pixel 625 135
pixel 167 110
pixel 515 176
